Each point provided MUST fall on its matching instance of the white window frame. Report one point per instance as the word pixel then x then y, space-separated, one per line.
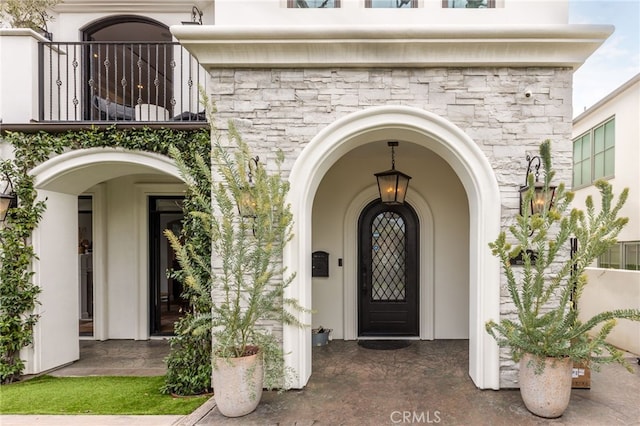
pixel 592 155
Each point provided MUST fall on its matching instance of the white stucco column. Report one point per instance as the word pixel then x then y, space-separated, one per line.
pixel 19 71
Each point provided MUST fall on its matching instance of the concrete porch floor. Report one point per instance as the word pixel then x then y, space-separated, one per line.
pixel 425 383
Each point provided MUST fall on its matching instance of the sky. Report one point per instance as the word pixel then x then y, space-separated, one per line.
pixel 617 60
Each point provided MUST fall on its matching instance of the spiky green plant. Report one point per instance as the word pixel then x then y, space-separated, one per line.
pixel 546 288
pixel 248 279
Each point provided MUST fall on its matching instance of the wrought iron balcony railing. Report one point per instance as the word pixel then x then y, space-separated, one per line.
pixel 119 81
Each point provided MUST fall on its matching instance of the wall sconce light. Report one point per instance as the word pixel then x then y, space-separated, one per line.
pixel 196 17
pixel 43 29
pixel 8 198
pixel 247 200
pixel 392 184
pixel 541 199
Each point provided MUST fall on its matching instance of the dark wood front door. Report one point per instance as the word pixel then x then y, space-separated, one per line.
pixel 388 265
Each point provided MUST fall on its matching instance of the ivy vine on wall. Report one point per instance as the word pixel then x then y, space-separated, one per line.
pixel 18 294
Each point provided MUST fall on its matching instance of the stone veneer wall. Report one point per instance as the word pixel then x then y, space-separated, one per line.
pixel 286 108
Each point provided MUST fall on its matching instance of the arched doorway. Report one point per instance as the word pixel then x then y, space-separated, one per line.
pixel 120 184
pixel 476 175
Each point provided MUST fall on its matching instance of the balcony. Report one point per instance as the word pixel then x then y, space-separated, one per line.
pixel 118 81
pixel 73 84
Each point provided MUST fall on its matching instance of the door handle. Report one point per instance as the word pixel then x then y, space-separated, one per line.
pixel 363 280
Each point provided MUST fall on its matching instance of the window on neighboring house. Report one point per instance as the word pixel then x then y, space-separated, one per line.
pixel 603 150
pixel 611 258
pixel 631 256
pixel 313 4
pixel 622 255
pixel 395 4
pixel 582 160
pixel 468 4
pixel 594 154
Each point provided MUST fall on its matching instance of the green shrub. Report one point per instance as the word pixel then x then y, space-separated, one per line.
pixel 189 362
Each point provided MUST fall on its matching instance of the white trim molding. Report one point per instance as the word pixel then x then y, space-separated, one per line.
pixel 328 46
pixel 55 174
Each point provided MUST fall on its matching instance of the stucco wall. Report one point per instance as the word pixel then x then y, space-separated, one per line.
pixel 613 289
pixel 287 108
pixel 353 12
pixel 126 289
pixel 449 233
pixel 625 107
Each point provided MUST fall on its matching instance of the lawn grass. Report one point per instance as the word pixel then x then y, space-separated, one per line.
pixel 93 395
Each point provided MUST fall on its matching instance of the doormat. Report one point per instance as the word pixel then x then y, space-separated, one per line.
pixel 384 345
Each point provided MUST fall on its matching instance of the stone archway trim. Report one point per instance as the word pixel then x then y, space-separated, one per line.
pixel 478 179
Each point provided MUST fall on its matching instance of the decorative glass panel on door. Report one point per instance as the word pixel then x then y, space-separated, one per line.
pixel 388 257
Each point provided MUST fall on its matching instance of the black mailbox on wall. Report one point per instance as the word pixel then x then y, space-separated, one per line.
pixel 320 264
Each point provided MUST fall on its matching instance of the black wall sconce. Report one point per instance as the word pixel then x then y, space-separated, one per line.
pixel 247 200
pixel 196 17
pixel 392 184
pixel 8 198
pixel 44 30
pixel 541 198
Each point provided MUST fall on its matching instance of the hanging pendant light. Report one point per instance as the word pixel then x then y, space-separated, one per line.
pixel 392 184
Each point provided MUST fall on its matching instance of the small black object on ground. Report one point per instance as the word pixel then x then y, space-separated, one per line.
pixel 384 345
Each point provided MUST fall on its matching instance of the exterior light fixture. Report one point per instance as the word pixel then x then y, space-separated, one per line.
pixel 392 184
pixel 196 17
pixel 247 200
pixel 541 198
pixel 8 198
pixel 44 30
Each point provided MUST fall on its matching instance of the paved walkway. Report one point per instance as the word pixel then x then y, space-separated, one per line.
pixel 119 358
pixel 424 383
pixel 427 383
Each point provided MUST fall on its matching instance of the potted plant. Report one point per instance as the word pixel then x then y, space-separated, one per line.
pixel 248 279
pixel 32 14
pixel 320 336
pixel 545 334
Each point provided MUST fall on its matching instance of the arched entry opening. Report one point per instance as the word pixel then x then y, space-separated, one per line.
pixel 476 176
pixel 120 183
pixel 344 193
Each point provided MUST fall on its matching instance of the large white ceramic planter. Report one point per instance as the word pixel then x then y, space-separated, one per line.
pixel 546 394
pixel 237 384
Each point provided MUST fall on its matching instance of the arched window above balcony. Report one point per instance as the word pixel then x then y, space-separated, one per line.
pixel 129 69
